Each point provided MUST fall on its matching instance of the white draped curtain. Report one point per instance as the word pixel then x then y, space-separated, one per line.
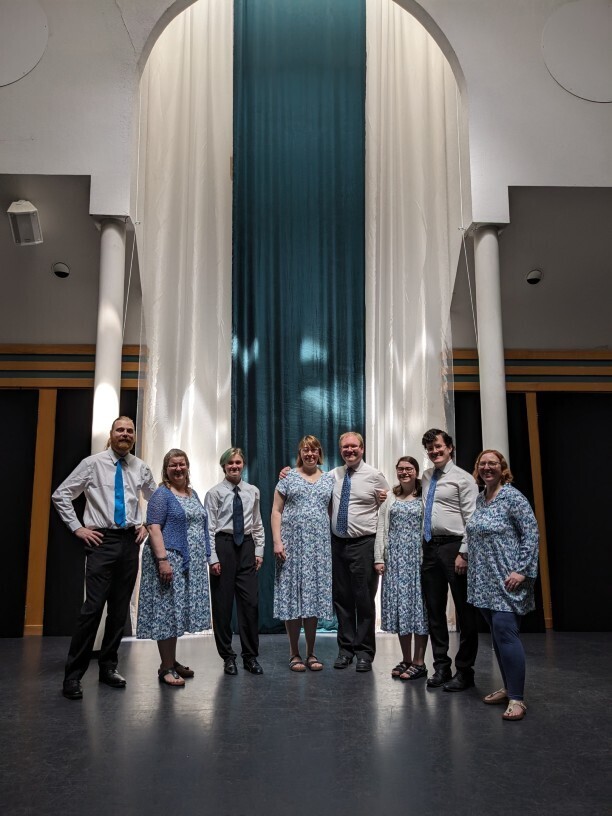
pixel 184 233
pixel 413 235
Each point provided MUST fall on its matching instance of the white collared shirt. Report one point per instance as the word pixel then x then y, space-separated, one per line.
pixel 363 501
pixel 95 477
pixel 454 501
pixel 219 504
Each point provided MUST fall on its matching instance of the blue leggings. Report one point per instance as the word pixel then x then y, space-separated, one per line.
pixel 505 628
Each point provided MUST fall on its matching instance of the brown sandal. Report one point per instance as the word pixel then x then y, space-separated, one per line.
pixel 183 671
pixel 313 663
pixel 496 697
pixel 296 664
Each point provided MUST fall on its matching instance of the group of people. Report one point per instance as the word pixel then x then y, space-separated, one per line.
pixel 334 534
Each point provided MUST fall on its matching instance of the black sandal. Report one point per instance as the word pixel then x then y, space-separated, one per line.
pixel 312 661
pixel 414 672
pixel 163 673
pixel 400 669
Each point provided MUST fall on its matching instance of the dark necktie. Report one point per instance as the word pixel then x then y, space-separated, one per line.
pixel 342 517
pixel 238 518
pixel 119 494
pixel 429 505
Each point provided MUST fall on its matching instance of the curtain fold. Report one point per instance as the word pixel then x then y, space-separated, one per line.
pixel 413 236
pixel 184 238
pixel 298 275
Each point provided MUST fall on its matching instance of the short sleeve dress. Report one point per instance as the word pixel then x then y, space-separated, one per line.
pixel 303 583
pixel 502 538
pixel 183 605
pixel 402 607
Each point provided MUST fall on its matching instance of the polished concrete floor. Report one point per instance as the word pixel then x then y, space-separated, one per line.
pixel 336 742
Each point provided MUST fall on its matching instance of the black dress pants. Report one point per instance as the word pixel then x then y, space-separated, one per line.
pixel 354 585
pixel 110 575
pixel 437 576
pixel 238 579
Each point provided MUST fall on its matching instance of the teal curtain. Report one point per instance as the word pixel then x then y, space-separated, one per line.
pixel 298 237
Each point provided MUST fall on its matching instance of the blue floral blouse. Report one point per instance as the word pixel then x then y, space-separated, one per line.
pixel 502 538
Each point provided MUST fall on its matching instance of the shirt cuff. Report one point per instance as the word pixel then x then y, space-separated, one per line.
pixel 213 560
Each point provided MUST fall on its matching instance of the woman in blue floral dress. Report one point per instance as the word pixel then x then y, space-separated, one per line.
pixel 397 557
pixel 174 595
pixel 502 537
pixel 302 546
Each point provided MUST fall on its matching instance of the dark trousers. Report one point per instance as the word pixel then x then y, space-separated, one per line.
pixel 238 579
pixel 505 634
pixel 354 585
pixel 110 575
pixel 437 575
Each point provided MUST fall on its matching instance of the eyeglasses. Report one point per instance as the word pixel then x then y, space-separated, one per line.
pixel 489 464
pixel 405 470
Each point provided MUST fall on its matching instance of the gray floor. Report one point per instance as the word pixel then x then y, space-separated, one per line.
pixel 336 742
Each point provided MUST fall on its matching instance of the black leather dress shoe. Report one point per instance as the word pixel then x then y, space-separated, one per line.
pixel 112 678
pixel 438 678
pixel 72 690
pixel 229 666
pixel 343 661
pixel 460 682
pixel 363 665
pixel 251 665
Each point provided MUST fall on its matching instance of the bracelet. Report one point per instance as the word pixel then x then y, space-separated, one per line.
pixel 165 558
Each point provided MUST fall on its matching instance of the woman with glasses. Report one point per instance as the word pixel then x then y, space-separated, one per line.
pixel 397 557
pixel 302 546
pixel 502 537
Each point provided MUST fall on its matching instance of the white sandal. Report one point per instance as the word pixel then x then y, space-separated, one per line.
pixel 509 712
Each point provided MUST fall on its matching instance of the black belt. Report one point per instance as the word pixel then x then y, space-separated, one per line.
pixel 231 535
pixel 116 529
pixel 444 539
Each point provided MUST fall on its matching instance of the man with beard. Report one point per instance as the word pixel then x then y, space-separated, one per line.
pixel 111 532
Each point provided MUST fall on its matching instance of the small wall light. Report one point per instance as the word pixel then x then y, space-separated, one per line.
pixel 25 225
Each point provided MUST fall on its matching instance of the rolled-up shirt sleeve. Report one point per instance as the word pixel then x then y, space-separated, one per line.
pixel 68 491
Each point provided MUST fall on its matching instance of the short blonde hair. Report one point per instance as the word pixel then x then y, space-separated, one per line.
pixel 351 433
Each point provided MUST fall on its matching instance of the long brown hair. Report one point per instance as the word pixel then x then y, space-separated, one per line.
pixel 397 490
pixel 506 473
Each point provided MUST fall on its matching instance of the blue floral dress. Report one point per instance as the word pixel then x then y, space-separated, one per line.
pixel 502 538
pixel 183 605
pixel 303 583
pixel 402 607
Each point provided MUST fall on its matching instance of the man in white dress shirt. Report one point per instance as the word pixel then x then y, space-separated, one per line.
pixel 237 542
pixel 355 503
pixel 449 496
pixel 112 532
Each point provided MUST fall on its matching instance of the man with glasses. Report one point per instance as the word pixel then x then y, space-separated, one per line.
pixel 355 503
pixel 449 496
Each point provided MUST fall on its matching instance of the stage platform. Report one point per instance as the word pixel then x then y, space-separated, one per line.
pixel 333 742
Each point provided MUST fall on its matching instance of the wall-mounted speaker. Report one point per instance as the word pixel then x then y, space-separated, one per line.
pixel 25 226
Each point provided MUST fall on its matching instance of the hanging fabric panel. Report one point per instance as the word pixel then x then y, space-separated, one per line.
pixel 298 236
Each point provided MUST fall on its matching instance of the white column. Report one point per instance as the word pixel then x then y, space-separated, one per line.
pixel 109 341
pixel 490 340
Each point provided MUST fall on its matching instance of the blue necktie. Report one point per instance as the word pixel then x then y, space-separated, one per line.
pixel 119 495
pixel 342 517
pixel 429 504
pixel 238 518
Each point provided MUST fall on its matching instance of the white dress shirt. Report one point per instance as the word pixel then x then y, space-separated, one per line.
pixel 95 477
pixel 219 504
pixel 363 501
pixel 454 501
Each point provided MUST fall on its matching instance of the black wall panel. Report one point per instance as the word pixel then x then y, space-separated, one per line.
pixel 468 430
pixel 18 418
pixel 65 555
pixel 576 447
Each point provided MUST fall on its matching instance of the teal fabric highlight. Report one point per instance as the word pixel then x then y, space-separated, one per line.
pixel 298 237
